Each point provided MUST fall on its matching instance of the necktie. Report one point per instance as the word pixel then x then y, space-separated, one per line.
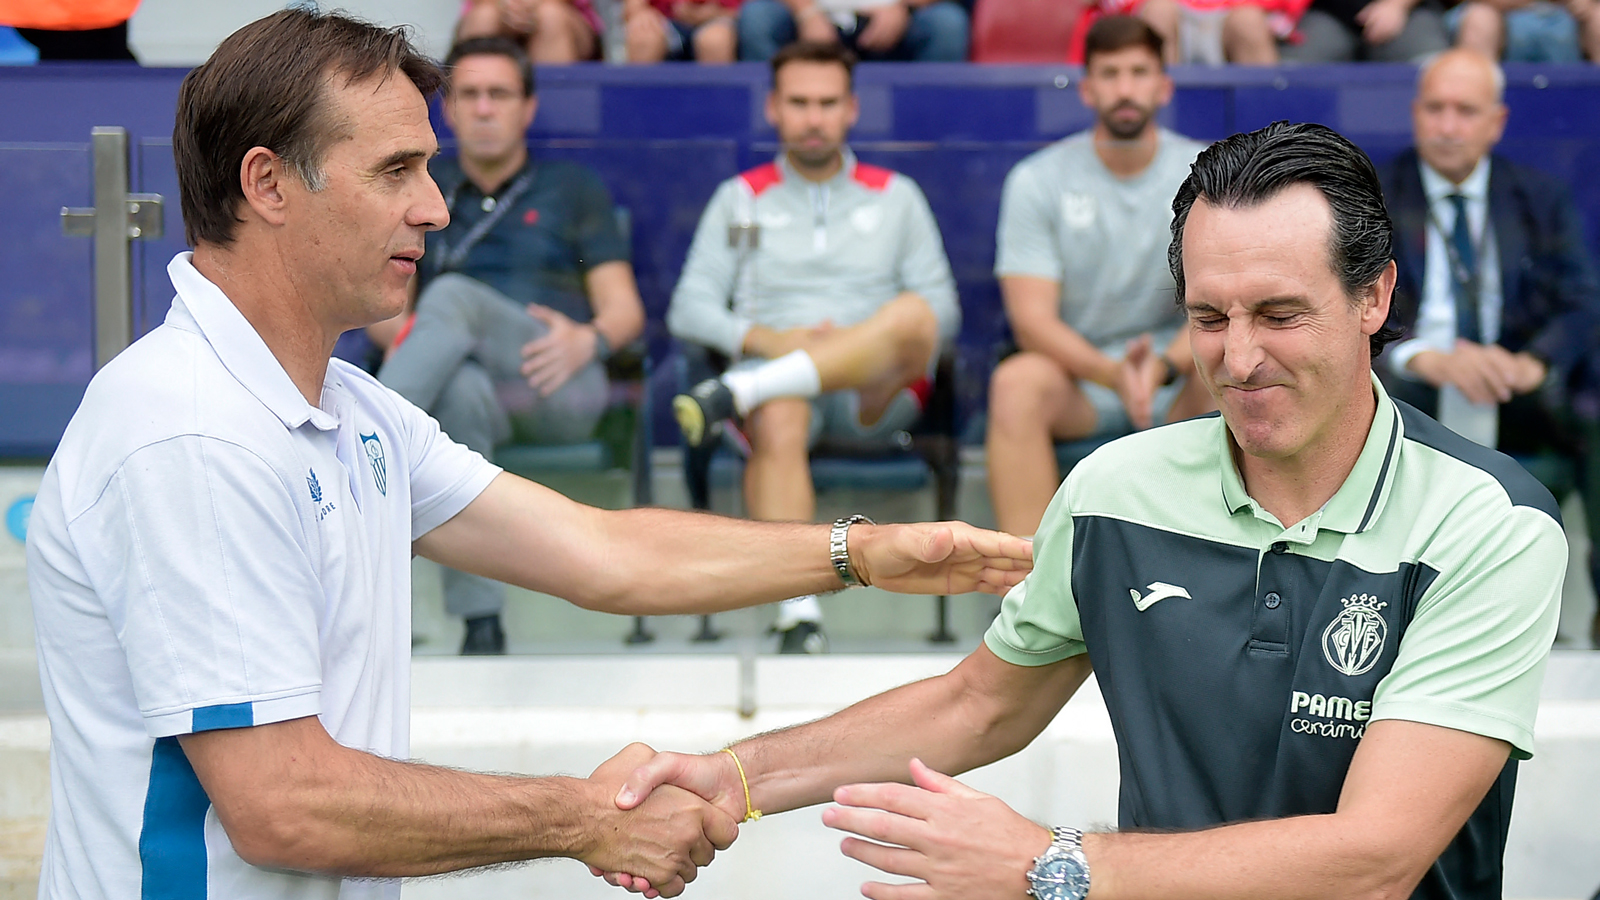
pixel 1464 281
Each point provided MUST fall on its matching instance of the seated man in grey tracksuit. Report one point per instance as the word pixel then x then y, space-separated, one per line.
pixel 825 281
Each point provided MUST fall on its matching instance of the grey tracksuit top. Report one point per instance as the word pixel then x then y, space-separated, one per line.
pixel 835 251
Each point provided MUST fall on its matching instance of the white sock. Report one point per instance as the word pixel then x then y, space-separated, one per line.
pixel 790 375
pixel 793 611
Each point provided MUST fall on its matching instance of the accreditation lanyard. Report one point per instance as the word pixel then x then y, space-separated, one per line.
pixel 450 258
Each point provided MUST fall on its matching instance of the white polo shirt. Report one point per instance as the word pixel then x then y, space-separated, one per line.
pixel 208 550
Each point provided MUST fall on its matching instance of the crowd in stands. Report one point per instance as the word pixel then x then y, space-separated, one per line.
pixel 818 292
pixel 1203 32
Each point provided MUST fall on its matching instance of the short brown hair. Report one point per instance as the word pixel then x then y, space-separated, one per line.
pixel 267 86
pixel 498 45
pixel 1112 33
pixel 815 52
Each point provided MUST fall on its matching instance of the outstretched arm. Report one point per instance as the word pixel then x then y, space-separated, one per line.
pixel 291 797
pixel 1409 790
pixel 982 710
pixel 662 562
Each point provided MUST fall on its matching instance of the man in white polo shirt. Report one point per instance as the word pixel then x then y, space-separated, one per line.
pixel 220 552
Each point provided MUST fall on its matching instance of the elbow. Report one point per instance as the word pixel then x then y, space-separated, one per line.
pixel 1388 866
pixel 271 835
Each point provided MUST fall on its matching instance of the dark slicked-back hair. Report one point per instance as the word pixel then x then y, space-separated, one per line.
pixel 267 85
pixel 1109 34
pixel 495 46
pixel 1246 170
pixel 815 52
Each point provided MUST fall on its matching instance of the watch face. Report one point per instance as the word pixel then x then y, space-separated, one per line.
pixel 1060 878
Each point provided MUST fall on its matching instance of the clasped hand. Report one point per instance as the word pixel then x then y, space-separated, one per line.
pixel 666 838
pixel 960 844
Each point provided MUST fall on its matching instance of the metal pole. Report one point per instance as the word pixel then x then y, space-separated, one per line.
pixel 113 273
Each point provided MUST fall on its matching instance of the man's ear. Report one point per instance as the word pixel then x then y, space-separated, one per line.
pixel 262 174
pixel 1375 309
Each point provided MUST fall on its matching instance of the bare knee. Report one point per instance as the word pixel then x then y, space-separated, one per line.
pixel 647 40
pixel 780 428
pixel 915 330
pixel 481 19
pixel 1162 17
pixel 1025 393
pixel 715 42
pixel 1247 37
pixel 1482 28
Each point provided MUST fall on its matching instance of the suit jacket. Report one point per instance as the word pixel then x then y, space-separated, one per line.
pixel 1551 294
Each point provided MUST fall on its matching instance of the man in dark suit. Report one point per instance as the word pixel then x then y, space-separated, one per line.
pixel 1496 291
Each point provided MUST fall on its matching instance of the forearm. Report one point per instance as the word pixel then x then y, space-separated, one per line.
pixel 1332 860
pixel 614 296
pixel 398 819
pixel 955 722
pixel 329 809
pixel 1069 349
pixel 686 562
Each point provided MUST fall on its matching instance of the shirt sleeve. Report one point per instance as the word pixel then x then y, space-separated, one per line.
pixel 1025 242
pixel 597 225
pixel 924 268
pixel 1038 622
pixel 212 588
pixel 699 310
pixel 445 476
pixel 1473 656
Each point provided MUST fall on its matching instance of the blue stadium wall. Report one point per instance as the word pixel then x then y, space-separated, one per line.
pixel 662 138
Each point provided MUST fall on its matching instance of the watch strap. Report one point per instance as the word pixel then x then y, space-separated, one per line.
pixel 839 548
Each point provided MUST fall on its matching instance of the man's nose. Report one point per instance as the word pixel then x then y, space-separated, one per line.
pixel 429 212
pixel 1241 350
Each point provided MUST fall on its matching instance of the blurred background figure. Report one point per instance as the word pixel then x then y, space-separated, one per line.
pixel 552 31
pixel 660 30
pixel 523 295
pixel 1499 296
pixel 1214 32
pixel 72 29
pixel 905 30
pixel 1372 30
pixel 1533 31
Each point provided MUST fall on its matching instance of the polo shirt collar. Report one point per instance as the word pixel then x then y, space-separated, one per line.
pixel 847 169
pixel 1358 502
pixel 242 351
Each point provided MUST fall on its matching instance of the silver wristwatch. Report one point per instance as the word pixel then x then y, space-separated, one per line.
pixel 839 548
pixel 1062 873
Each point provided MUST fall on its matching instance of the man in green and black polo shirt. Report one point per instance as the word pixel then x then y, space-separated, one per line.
pixel 1319 621
pixel 524 293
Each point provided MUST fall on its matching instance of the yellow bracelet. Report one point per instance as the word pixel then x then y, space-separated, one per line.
pixel 751 814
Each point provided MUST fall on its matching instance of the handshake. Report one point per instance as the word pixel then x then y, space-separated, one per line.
pixel 665 815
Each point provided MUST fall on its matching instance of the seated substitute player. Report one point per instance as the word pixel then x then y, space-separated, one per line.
pixel 1320 620
pixel 523 295
pixel 1081 258
pixel 826 279
pixel 219 557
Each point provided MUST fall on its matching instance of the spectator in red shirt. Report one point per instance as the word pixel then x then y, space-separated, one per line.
pixel 701 30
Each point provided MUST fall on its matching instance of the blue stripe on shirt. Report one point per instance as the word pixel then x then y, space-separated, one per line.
pixel 172 841
pixel 227 715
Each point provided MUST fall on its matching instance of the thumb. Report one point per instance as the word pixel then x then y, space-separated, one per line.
pixel 936 545
pixel 662 769
pixel 939 783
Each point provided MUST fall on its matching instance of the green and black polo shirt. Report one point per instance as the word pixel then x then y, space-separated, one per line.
pixel 1242 660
